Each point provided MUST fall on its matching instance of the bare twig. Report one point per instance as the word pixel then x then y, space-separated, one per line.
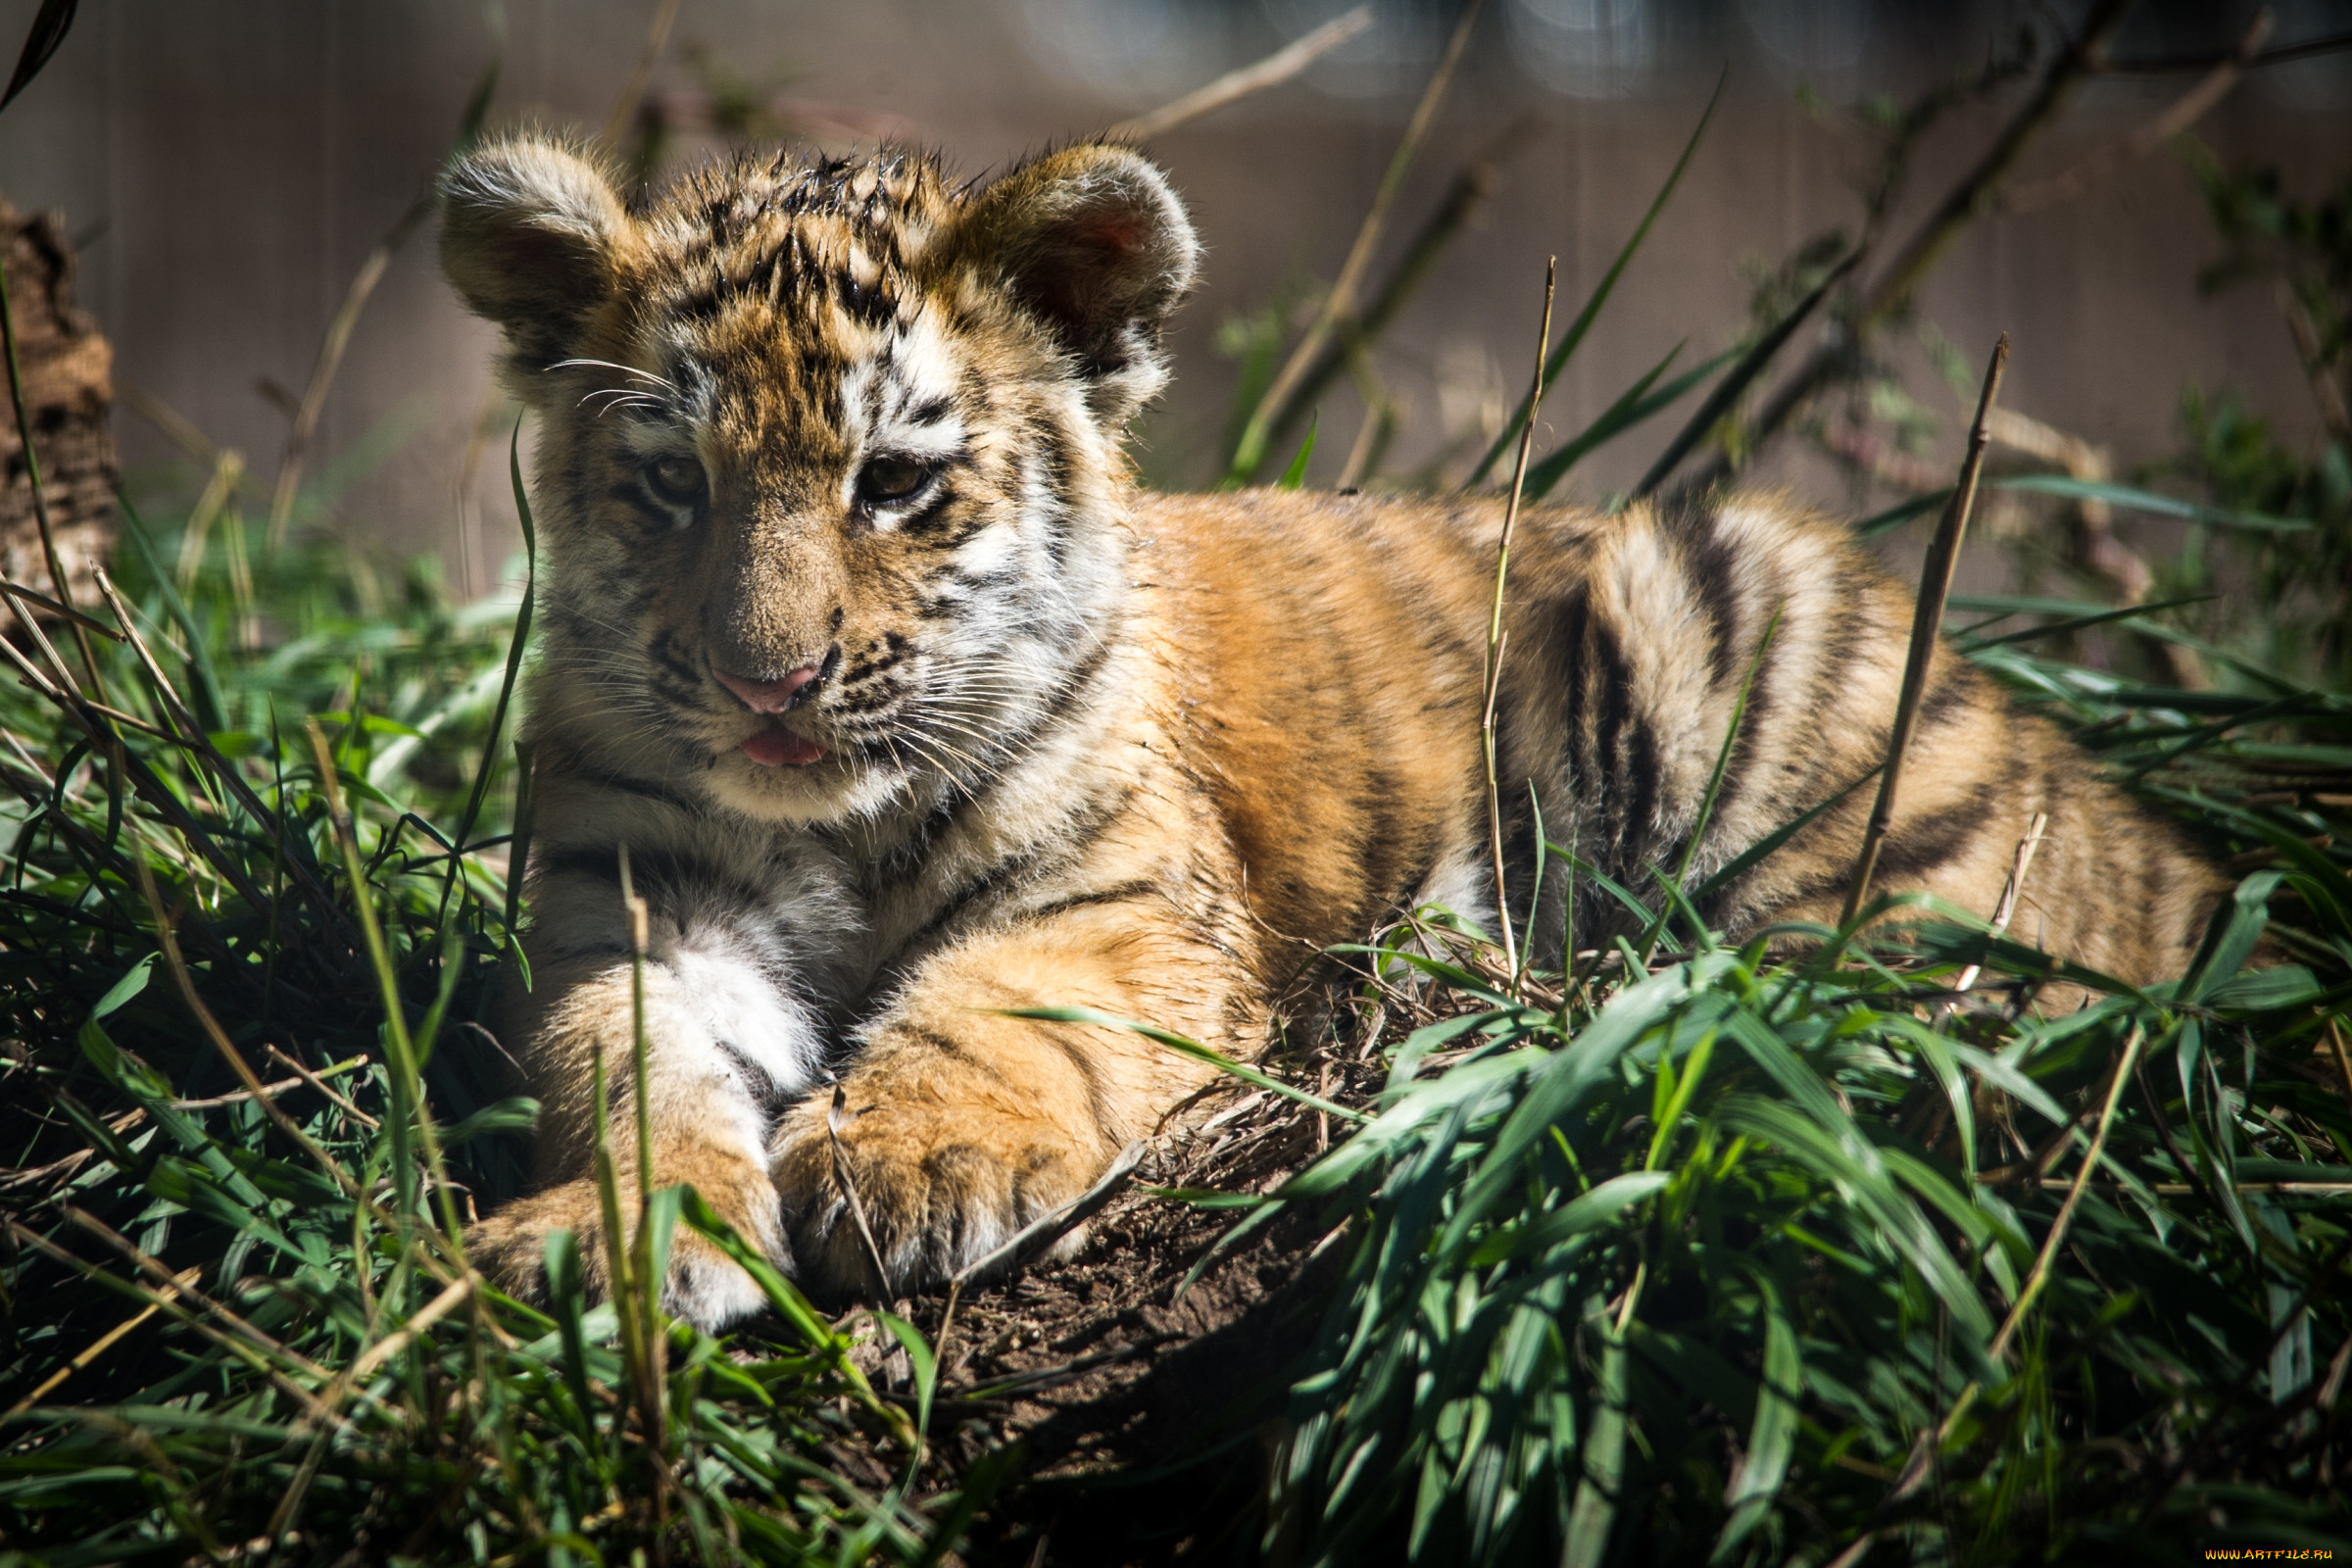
pixel 2183 112
pixel 304 1078
pixel 1471 189
pixel 2335 411
pixel 2163 65
pixel 339 330
pixel 318 1082
pixel 323 372
pixel 2007 907
pixel 1340 303
pixel 1493 674
pixel 1891 288
pixel 1271 72
pixel 2091 543
pixel 1936 580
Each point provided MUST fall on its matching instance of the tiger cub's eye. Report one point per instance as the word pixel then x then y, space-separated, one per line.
pixel 886 480
pixel 675 480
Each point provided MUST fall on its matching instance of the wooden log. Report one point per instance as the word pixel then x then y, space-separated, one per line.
pixel 67 366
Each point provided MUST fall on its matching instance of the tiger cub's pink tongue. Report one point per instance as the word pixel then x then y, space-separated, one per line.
pixel 778 746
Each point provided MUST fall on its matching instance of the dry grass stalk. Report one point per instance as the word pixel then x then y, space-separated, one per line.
pixel 849 1190
pixel 317 1081
pixel 1930 1442
pixel 1340 303
pixel 169 943
pixel 48 605
pixel 101 1345
pixel 1936 582
pixel 229 468
pixel 2183 112
pixel 322 376
pixel 385 1349
pixel 1495 633
pixel 249 1344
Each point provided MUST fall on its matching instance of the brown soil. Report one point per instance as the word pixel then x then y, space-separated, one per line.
pixel 1145 1408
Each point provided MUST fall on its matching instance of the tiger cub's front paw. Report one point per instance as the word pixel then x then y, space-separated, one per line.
pixel 703 1286
pixel 939 1187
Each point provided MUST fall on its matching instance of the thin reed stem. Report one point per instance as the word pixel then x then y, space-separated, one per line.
pixel 1493 678
pixel 1935 582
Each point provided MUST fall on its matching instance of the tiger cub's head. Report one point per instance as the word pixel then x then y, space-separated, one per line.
pixel 828 464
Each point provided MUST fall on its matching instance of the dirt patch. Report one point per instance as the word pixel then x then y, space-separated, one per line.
pixel 1144 1400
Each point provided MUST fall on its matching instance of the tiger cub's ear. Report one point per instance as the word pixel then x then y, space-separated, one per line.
pixel 530 236
pixel 1092 240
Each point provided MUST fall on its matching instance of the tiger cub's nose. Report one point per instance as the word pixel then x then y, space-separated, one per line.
pixel 770 696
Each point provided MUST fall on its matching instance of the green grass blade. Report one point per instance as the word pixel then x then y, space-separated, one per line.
pixel 1772 1436
pixel 2134 499
pixel 1575 335
pixel 1634 405
pixel 1751 365
pixel 1902 512
pixel 50 25
pixel 1296 474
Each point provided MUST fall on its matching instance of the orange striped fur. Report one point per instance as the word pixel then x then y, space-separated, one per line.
pixel 910 708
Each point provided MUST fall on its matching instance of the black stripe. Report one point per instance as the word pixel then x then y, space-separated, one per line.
pixel 623 784
pixel 1117 893
pixel 1609 726
pixel 1089 1073
pixel 945 1046
pixel 1924 845
pixel 923 521
pixel 1953 685
pixel 603 864
pixel 655 873
pixel 1749 745
pixel 1643 769
pixel 1577 662
pixel 1707 564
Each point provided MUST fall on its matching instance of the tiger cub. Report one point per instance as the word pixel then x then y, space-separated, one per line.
pixel 911 709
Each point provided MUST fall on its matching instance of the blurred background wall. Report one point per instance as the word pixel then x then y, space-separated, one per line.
pixel 228 167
